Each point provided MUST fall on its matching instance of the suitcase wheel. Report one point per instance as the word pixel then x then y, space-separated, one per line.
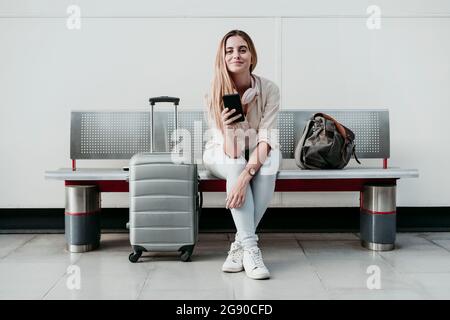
pixel 186 256
pixel 186 253
pixel 134 256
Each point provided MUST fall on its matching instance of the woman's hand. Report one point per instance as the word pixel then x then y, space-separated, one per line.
pixel 226 120
pixel 236 197
pixel 231 146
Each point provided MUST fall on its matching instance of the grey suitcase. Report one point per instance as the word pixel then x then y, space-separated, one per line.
pixel 165 202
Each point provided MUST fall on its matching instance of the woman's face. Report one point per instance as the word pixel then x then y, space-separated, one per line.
pixel 237 55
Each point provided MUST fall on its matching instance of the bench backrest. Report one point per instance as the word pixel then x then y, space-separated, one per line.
pixel 121 134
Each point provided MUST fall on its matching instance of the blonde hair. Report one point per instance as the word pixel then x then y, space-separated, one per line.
pixel 222 83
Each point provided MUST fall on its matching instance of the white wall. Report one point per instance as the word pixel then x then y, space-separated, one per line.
pixel 319 52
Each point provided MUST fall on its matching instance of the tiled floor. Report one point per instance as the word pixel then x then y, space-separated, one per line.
pixel 303 266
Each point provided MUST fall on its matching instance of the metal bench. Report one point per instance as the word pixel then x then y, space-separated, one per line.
pixel 121 134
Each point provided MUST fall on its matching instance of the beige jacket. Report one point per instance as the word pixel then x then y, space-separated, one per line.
pixel 261 116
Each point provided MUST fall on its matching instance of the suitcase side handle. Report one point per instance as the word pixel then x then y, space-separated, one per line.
pixel 173 100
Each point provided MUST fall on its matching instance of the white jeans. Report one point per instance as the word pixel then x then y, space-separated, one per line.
pixel 259 191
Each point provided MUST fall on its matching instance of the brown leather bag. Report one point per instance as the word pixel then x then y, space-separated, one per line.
pixel 325 144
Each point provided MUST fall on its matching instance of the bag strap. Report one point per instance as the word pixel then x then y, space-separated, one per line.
pixel 341 129
pixel 354 154
pixel 339 126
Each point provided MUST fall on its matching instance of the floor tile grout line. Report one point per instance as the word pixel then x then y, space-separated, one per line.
pixel 80 255
pixel 390 265
pixel 384 259
pixel 233 290
pixel 313 267
pixel 21 246
pixel 402 275
pixel 54 285
pixel 377 253
pixel 63 276
pixel 144 284
pixel 436 244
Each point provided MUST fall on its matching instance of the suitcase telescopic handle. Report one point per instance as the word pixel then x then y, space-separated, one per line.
pixel 173 100
pixel 154 100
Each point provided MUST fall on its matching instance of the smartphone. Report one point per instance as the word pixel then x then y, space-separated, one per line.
pixel 233 101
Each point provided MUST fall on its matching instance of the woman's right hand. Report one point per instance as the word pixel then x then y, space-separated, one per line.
pixel 228 119
pixel 231 145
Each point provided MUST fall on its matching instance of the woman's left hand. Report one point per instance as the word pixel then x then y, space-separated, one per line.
pixel 236 197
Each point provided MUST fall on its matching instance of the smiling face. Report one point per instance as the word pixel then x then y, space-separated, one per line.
pixel 237 55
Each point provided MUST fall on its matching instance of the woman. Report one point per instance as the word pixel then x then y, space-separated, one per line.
pixel 244 153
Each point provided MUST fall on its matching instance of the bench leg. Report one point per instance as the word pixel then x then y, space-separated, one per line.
pixel 82 218
pixel 378 217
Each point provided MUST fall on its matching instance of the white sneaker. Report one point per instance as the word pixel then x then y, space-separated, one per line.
pixel 254 265
pixel 233 263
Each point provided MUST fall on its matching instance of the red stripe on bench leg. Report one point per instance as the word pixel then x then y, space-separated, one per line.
pixel 377 212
